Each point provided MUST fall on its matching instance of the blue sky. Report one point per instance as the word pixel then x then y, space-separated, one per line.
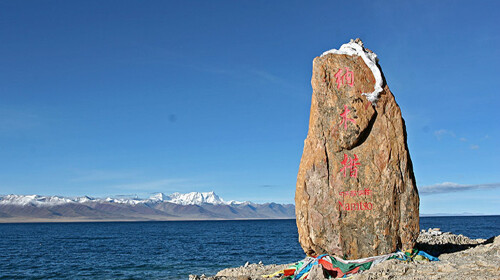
pixel 134 97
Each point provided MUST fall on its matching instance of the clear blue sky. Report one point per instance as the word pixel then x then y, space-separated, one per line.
pixel 133 97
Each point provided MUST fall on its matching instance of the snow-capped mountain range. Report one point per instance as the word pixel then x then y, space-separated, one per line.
pixel 176 206
pixel 192 198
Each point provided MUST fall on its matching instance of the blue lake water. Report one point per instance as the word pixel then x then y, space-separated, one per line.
pixel 166 250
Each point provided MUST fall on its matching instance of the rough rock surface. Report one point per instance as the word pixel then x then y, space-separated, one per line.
pixel 250 271
pixel 435 242
pixel 465 259
pixel 478 262
pixel 356 194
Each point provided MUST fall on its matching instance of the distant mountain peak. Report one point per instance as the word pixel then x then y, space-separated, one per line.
pixel 195 198
pixel 159 197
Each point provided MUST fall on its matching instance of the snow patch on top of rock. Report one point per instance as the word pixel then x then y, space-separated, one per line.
pixel 356 47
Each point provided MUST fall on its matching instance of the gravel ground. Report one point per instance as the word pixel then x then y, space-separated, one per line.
pixel 460 258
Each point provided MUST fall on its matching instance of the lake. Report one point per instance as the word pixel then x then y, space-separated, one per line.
pixel 167 250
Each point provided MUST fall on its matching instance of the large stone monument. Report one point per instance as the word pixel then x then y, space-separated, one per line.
pixel 356 194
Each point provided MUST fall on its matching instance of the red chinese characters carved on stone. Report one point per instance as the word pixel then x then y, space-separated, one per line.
pixel 342 78
pixel 350 164
pixel 345 119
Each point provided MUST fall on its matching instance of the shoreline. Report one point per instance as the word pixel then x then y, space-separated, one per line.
pixel 167 219
pixel 65 221
pixel 460 257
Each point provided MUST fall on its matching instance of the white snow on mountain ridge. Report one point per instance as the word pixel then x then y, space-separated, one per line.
pixel 196 198
pixel 193 198
pixel 34 199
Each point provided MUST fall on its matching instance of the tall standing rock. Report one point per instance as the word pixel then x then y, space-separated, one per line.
pixel 356 194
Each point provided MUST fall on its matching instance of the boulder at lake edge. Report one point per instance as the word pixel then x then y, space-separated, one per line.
pixel 356 193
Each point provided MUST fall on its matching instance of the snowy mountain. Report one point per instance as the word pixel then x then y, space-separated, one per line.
pixel 34 200
pixel 192 198
pixel 177 206
pixel 38 200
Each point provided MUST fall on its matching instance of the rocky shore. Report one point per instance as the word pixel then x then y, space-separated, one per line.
pixel 460 258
